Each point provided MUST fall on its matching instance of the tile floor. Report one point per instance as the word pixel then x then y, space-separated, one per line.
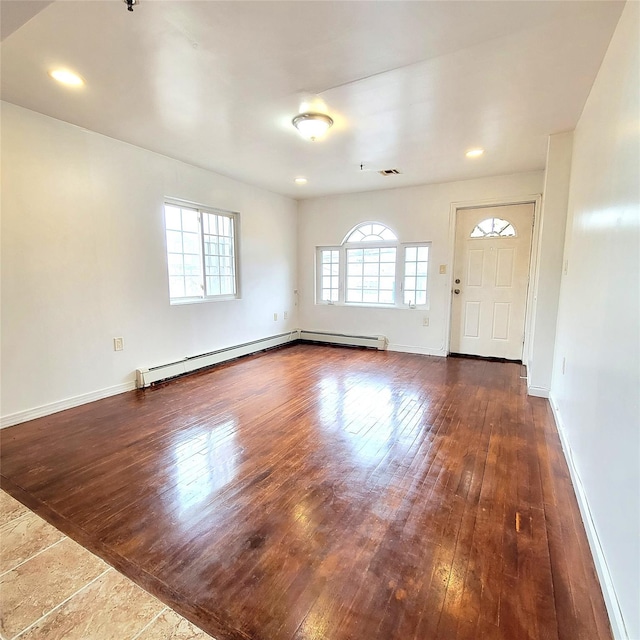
pixel 51 587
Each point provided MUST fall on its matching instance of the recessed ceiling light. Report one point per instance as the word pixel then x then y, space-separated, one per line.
pixel 66 77
pixel 300 180
pixel 474 153
pixel 312 125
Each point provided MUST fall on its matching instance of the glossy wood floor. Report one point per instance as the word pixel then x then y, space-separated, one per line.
pixel 326 493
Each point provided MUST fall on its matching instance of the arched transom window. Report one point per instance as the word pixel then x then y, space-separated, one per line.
pixel 372 267
pixel 370 232
pixel 493 228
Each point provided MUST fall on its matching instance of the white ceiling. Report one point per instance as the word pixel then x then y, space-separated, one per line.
pixel 410 85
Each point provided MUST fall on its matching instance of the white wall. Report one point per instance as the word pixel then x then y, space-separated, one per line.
pixel 597 397
pixel 83 261
pixel 552 221
pixel 415 214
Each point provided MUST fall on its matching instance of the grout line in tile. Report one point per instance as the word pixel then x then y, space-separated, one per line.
pixel 146 626
pixel 23 515
pixel 75 593
pixel 4 573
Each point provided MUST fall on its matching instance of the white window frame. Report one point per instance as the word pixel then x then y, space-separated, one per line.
pixel 234 216
pixel 399 272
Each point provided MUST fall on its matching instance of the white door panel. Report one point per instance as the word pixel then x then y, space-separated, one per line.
pixel 488 313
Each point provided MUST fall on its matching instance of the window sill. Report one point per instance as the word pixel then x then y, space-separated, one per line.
pixel 180 303
pixel 370 305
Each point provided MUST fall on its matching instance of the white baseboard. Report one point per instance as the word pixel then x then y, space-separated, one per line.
pixel 606 582
pixel 538 392
pixel 61 405
pixel 406 348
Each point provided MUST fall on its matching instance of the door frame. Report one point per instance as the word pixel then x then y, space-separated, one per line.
pixel 532 288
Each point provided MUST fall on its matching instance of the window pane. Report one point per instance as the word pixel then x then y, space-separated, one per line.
pixel 410 253
pixel 192 265
pixel 409 297
pixel 172 217
pixel 326 294
pixel 192 286
pixel 388 254
pixel 371 255
pixel 354 295
pixel 387 268
pixel 387 283
pixel 354 283
pixel 355 255
pixel 191 243
pixel 409 283
pixel 370 296
pixel 370 283
pixel 334 295
pixel 354 269
pixel 326 257
pixel 176 287
pixel 176 267
pixel 226 285
pixel 334 282
pixel 213 286
pixel 386 297
pixel 371 268
pixel 421 297
pixel 174 241
pixel 190 220
pixel 423 253
pixel 410 268
pixel 387 234
pixel 422 268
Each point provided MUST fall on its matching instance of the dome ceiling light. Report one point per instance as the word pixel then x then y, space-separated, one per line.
pixel 312 125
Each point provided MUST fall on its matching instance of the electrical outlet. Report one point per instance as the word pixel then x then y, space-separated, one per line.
pixel 425 321
pixel 286 315
pixel 443 269
pixel 275 317
pixel 118 344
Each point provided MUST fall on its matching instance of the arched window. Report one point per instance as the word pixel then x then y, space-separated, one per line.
pixel 371 267
pixel 493 228
pixel 370 232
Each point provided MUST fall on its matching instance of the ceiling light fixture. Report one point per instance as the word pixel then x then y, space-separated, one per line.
pixel 66 77
pixel 300 180
pixel 474 153
pixel 131 3
pixel 312 125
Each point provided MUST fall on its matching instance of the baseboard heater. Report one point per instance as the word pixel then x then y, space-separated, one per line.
pixel 146 377
pixel 373 342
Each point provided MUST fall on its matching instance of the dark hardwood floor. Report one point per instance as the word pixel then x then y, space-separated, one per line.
pixel 326 493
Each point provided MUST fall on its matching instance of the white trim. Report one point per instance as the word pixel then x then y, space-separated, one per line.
pixel 536 200
pixel 606 582
pixel 538 392
pixel 425 351
pixel 61 405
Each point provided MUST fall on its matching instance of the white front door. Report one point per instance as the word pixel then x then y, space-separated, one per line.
pixel 490 274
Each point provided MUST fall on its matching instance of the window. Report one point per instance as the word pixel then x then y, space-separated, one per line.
pixel 201 253
pixel 371 267
pixel 416 264
pixel 330 266
pixel 493 228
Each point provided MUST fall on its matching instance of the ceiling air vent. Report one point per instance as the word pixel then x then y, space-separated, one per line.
pixel 389 172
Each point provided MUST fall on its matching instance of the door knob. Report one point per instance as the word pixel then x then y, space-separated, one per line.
pixel 456 291
pixel 457 280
